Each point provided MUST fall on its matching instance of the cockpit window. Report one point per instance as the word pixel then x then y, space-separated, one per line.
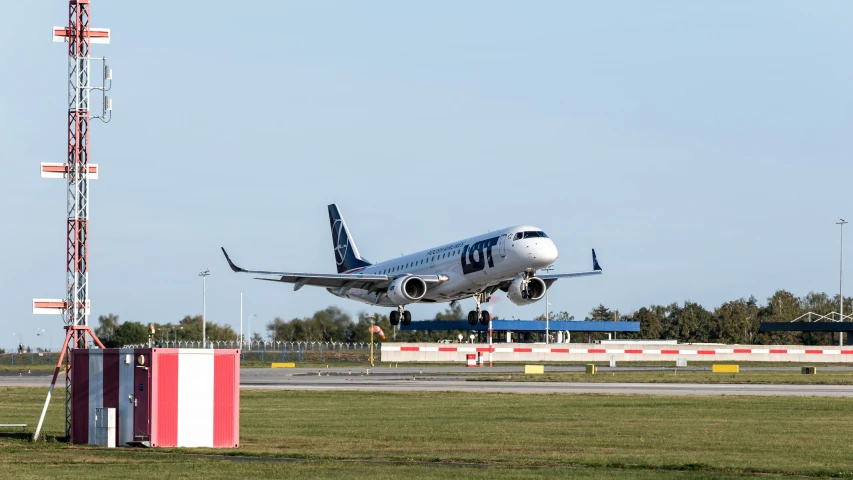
pixel 520 235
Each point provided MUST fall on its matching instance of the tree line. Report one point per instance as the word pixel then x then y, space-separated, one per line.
pixel 733 322
pixel 115 334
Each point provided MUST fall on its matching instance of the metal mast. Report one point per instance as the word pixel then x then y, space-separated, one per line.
pixel 77 171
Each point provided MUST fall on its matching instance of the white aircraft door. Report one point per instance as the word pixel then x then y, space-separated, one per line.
pixel 502 245
pixel 432 261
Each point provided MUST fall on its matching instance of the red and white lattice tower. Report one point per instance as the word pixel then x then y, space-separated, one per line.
pixel 77 171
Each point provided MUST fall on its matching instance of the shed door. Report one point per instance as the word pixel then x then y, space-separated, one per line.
pixel 142 399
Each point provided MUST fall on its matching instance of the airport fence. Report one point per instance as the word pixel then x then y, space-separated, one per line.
pixel 309 352
pixel 27 358
pixel 268 351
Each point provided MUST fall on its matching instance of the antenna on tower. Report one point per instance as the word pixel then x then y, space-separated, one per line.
pixel 77 171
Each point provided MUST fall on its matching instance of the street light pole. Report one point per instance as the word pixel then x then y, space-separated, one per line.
pixel 39 332
pixel 547 311
pixel 203 274
pixel 841 223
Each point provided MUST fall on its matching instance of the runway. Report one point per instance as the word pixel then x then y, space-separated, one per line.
pixel 391 379
pixel 426 380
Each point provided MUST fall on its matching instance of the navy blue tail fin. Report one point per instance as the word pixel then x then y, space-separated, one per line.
pixel 346 253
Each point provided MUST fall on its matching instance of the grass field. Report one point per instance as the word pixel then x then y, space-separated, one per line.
pixel 462 435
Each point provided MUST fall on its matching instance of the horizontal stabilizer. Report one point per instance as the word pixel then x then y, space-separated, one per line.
pixel 331 280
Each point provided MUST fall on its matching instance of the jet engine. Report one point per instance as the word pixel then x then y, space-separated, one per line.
pixel 406 290
pixel 535 290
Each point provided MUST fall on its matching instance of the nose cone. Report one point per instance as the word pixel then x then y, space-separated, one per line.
pixel 548 252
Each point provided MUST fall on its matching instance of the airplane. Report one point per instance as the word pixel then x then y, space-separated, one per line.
pixel 477 267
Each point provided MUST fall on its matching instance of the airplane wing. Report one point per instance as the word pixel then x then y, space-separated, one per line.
pixel 551 278
pixel 330 280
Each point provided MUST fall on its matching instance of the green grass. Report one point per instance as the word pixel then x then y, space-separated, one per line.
pixel 428 434
pixel 675 376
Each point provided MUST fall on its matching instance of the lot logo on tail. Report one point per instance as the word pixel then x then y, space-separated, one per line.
pixel 339 235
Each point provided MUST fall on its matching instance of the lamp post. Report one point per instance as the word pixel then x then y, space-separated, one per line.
pixel 39 332
pixel 547 311
pixel 20 342
pixel 841 223
pixel 203 274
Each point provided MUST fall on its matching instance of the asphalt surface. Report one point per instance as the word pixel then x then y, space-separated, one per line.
pixel 425 379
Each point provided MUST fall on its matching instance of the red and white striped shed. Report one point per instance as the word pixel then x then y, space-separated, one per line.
pixel 167 397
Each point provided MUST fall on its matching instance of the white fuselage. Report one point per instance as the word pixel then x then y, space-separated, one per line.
pixel 471 265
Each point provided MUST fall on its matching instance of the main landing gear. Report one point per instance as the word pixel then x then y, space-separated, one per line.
pixel 481 315
pixel 400 316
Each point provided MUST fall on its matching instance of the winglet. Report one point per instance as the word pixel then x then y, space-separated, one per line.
pixel 235 267
pixel 595 265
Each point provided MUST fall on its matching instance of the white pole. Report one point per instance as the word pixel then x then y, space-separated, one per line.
pixel 203 276
pixel 204 312
pixel 490 342
pixel 547 319
pixel 43 411
pixel 841 222
pixel 547 312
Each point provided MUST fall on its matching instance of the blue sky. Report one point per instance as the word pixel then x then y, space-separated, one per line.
pixel 701 147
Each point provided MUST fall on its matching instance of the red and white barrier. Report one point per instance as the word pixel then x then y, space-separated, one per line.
pixel 471 360
pixel 584 352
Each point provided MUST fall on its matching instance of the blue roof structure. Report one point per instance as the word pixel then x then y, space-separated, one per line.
pixel 525 326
